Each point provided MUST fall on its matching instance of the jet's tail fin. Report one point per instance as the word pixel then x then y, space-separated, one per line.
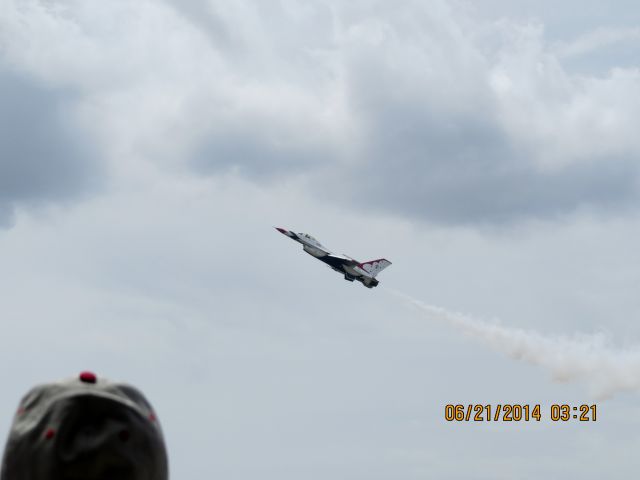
pixel 374 267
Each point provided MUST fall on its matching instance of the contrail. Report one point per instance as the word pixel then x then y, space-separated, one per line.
pixel 588 358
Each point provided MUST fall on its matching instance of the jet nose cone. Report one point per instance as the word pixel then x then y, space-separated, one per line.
pixel 281 230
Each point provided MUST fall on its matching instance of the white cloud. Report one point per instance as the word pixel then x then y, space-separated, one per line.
pixel 220 120
pixel 305 87
pixel 597 39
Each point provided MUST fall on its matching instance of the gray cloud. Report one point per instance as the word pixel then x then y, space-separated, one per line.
pixel 42 156
pixel 437 114
pixel 453 121
pixel 443 142
pixel 464 169
pixel 252 154
pixel 178 284
pixel 562 20
pixel 202 15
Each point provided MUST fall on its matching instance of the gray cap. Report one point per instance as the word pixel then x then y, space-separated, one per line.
pixel 85 428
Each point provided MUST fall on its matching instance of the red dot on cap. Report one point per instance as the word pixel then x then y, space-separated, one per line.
pixel 49 434
pixel 88 377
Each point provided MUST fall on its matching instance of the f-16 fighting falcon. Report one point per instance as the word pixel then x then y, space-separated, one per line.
pixel 352 269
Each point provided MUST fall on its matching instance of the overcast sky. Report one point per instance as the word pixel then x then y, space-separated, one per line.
pixel 489 149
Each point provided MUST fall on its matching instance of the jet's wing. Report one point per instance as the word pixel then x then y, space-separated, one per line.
pixel 338 261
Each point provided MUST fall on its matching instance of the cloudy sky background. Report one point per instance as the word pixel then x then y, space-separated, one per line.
pixel 488 149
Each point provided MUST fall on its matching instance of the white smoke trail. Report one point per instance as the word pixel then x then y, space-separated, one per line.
pixel 588 358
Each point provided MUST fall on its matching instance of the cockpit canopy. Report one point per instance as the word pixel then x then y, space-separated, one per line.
pixel 310 239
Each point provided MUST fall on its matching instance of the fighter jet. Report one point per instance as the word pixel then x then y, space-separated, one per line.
pixel 352 270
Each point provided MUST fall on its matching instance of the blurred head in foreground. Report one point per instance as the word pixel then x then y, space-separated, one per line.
pixel 85 429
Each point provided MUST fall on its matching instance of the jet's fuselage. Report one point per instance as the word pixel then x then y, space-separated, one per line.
pixel 351 268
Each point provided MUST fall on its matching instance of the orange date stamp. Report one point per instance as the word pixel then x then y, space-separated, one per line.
pixel 516 412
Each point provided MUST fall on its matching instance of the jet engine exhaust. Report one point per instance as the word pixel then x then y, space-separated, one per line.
pixel 588 358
